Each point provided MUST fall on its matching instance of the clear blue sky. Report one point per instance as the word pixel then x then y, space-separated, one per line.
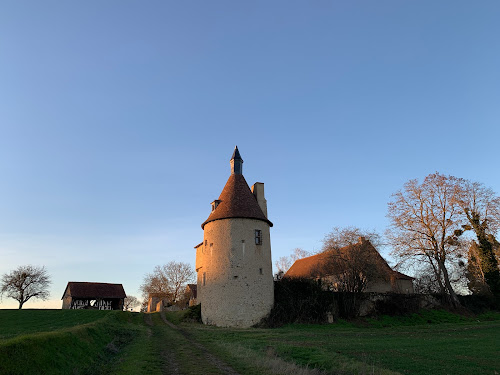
pixel 118 120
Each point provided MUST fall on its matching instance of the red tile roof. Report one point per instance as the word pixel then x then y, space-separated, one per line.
pixel 94 290
pixel 308 267
pixel 313 266
pixel 237 201
pixel 402 276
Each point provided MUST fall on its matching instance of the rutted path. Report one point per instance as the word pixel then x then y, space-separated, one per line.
pixel 222 366
pixel 171 366
pixel 161 347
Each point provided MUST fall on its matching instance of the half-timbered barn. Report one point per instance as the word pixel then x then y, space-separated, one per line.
pixel 98 296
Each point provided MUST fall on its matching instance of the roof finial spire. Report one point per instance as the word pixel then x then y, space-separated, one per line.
pixel 236 162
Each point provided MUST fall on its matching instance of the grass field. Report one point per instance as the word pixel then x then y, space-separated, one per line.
pixel 98 342
pixel 433 342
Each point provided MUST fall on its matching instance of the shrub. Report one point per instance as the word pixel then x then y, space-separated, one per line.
pixel 298 301
pixel 398 304
pixel 193 314
pixel 479 303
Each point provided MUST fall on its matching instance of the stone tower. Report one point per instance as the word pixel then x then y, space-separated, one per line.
pixel 233 263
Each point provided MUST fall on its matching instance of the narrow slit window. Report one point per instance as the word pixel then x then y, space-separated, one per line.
pixel 204 278
pixel 258 237
pixel 260 271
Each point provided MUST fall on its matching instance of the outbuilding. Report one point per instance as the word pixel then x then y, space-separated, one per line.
pixel 97 296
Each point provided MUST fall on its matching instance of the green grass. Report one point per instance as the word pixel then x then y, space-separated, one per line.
pixel 94 342
pixel 176 317
pixel 433 342
pixel 80 343
pixel 111 343
pixel 158 349
pixel 18 322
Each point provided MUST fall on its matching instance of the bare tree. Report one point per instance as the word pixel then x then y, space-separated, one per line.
pixel 285 262
pixel 170 279
pixel 481 207
pixel 426 281
pixel 299 253
pixel 344 236
pixel 26 282
pixel 424 217
pixel 352 267
pixel 130 302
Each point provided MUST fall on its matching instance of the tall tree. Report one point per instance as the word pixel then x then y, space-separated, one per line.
pixel 476 281
pixel 26 282
pixel 424 217
pixel 170 279
pixel 481 207
pixel 344 236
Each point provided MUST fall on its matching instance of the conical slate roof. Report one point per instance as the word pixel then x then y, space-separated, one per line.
pixel 236 154
pixel 237 201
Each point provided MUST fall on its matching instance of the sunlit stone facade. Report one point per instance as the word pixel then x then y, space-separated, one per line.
pixel 233 263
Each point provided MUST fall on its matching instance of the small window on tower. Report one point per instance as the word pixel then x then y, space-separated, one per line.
pixel 204 278
pixel 258 237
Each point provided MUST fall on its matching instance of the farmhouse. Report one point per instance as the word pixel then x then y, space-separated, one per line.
pixel 233 263
pixel 98 296
pixel 359 261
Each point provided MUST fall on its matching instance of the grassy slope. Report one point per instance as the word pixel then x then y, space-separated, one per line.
pixel 449 344
pixel 18 322
pixel 64 342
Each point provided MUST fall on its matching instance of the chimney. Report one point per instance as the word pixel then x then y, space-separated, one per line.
pixel 258 192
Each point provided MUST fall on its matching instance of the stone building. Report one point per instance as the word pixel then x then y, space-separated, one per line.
pixel 381 277
pixel 98 296
pixel 192 294
pixel 233 263
pixel 162 301
pixel 158 301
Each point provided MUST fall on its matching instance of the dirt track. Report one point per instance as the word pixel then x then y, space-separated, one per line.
pixel 176 352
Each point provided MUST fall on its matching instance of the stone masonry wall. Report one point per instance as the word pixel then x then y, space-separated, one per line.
pixel 235 281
